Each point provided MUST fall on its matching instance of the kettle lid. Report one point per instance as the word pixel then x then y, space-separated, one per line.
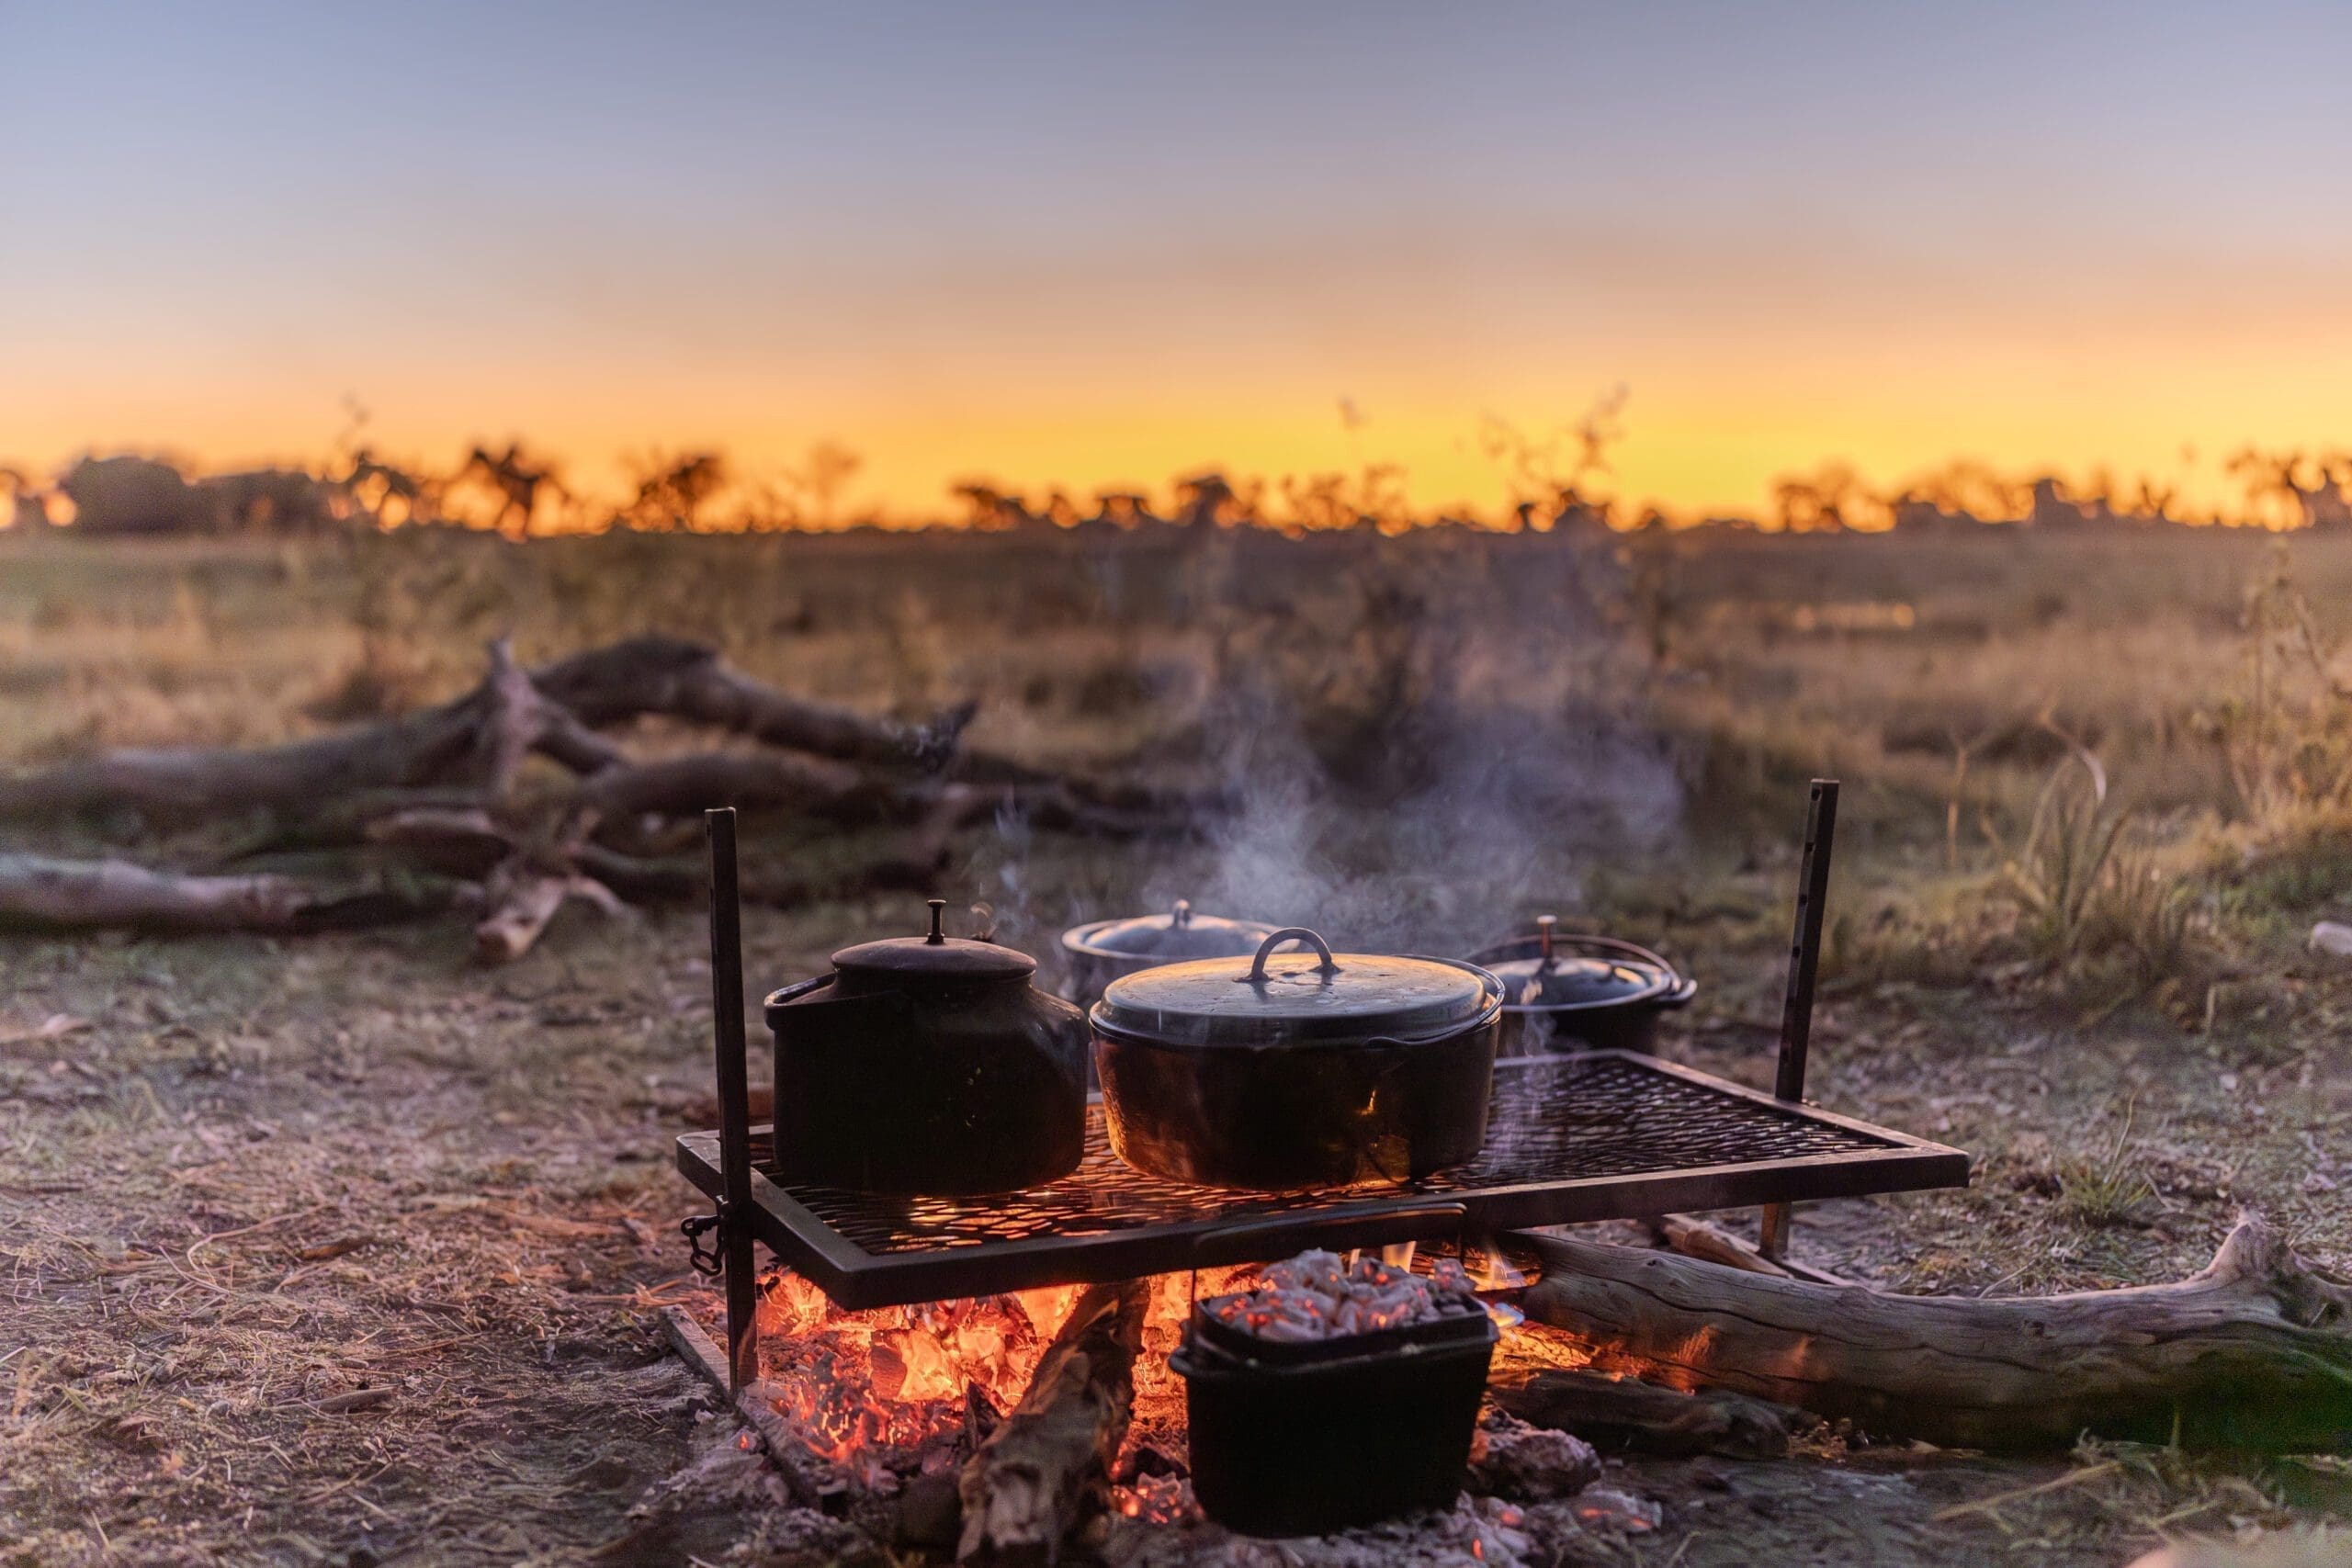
pixel 936 956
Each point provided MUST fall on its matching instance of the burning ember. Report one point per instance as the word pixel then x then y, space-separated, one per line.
pixel 894 1389
pixel 1317 1296
pixel 899 1391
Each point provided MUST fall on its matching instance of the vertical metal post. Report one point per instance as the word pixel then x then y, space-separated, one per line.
pixel 734 1101
pixel 1804 964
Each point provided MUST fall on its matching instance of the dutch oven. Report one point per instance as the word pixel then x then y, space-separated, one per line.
pixel 1102 951
pixel 927 1066
pixel 1567 992
pixel 1306 1438
pixel 1303 1070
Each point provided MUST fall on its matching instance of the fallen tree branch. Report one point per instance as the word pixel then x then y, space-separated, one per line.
pixel 837 792
pixel 443 790
pixel 683 879
pixel 63 895
pixel 1047 1470
pixel 838 764
pixel 680 679
pixel 2253 1352
pixel 522 897
pixel 476 742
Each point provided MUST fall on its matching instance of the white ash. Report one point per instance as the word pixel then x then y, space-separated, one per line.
pixel 1317 1296
pixel 731 1471
pixel 1599 1526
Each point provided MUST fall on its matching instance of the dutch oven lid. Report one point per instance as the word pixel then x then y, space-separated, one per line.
pixel 1289 998
pixel 936 956
pixel 1540 975
pixel 1180 933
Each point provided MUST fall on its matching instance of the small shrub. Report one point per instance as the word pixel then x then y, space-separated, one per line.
pixel 2057 872
pixel 2107 1189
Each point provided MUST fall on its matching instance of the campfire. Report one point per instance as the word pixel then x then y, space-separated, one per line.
pixel 874 1412
pixel 893 1392
pixel 1017 1313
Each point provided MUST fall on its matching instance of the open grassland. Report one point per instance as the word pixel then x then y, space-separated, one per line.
pixel 343 1250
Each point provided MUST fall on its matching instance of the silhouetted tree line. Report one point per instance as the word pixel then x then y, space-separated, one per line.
pixel 1551 486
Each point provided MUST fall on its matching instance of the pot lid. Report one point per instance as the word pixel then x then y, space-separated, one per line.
pixel 1287 999
pixel 1180 933
pixel 936 956
pixel 1551 971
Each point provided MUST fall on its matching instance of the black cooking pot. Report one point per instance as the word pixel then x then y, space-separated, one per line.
pixel 1572 992
pixel 1307 1439
pixel 1300 1071
pixel 927 1066
pixel 1102 951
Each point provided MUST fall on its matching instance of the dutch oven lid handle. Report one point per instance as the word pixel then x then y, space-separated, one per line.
pixel 1257 976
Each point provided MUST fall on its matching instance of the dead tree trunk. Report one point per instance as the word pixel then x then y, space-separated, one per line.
pixel 478 740
pixel 687 680
pixel 442 790
pixel 1046 1470
pixel 2255 1352
pixel 67 894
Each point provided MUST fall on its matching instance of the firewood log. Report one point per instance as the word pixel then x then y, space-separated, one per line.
pixel 1046 1470
pixel 2255 1352
pixel 1626 1414
pixel 1697 1239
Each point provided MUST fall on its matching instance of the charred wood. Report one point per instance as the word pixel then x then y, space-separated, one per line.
pixel 1627 1414
pixel 815 1482
pixel 1527 1463
pixel 1046 1470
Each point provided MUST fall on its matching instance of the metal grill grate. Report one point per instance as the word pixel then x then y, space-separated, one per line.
pixel 1604 1135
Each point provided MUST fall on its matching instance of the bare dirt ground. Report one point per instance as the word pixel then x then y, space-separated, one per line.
pixel 341 1250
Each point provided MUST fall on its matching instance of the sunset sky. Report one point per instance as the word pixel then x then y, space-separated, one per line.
pixel 1098 244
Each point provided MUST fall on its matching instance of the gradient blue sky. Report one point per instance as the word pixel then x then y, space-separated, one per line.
pixel 1101 243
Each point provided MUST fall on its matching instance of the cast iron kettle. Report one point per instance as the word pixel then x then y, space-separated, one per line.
pixel 928 1067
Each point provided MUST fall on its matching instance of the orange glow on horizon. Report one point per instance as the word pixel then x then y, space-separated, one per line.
pixel 1706 431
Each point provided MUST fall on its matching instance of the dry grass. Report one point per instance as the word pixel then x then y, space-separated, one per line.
pixel 338 1246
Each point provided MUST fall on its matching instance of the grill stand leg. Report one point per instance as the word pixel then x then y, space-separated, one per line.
pixel 734 1102
pixel 1804 964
